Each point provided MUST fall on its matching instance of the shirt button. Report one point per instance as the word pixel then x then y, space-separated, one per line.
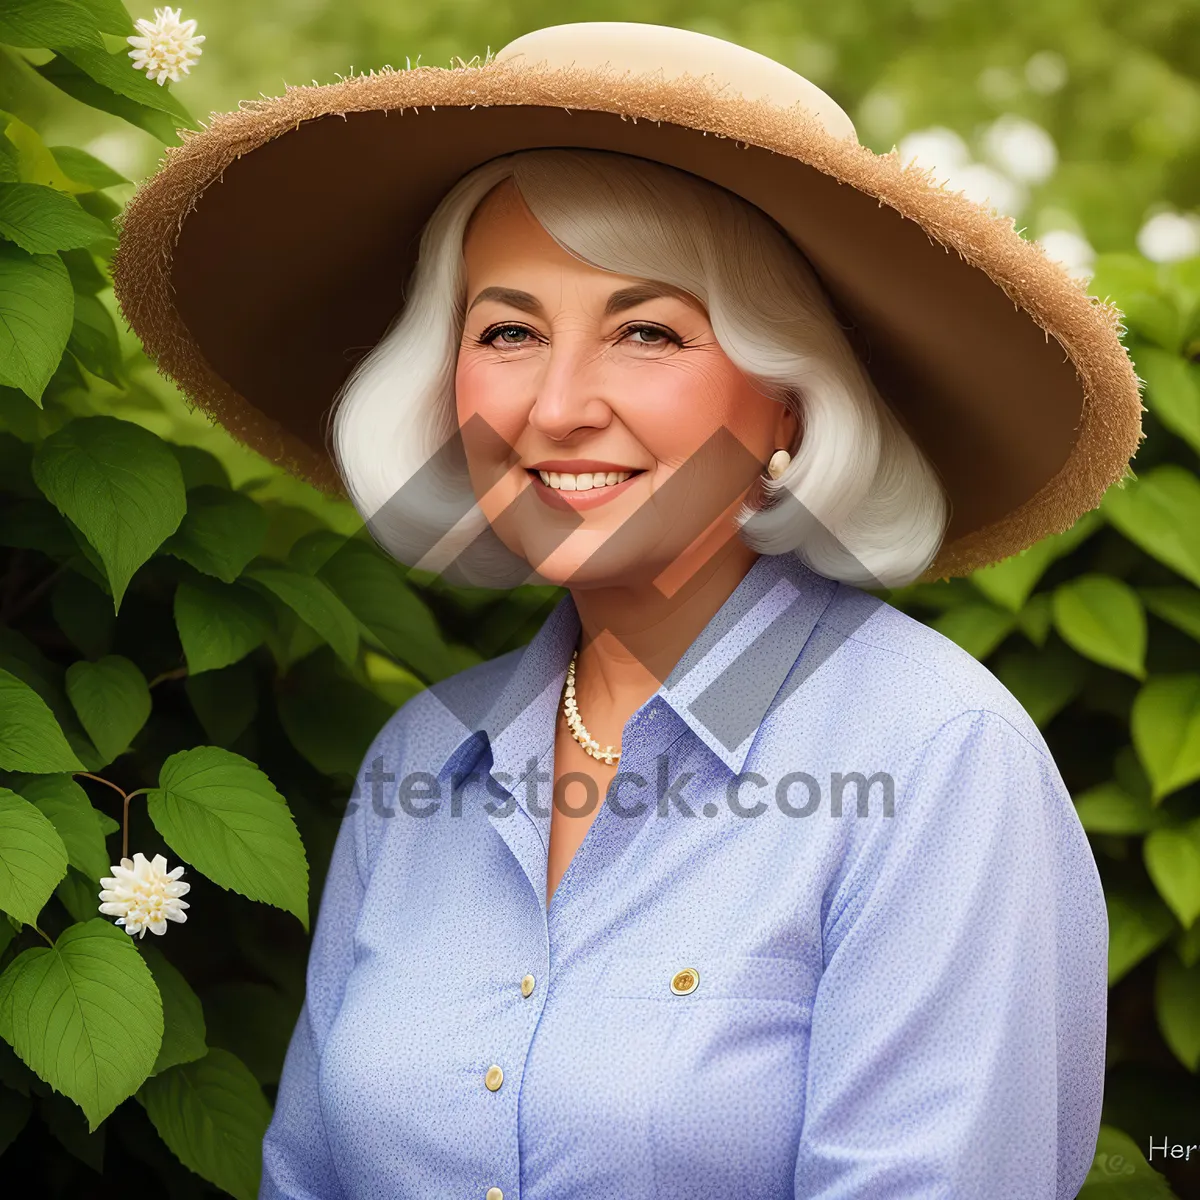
pixel 494 1194
pixel 494 1078
pixel 526 985
pixel 685 981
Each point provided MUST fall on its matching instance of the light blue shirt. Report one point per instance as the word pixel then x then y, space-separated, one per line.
pixel 730 1000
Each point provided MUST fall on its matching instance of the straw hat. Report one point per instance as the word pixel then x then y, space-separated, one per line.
pixel 267 253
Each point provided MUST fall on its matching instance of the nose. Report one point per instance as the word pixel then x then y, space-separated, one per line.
pixel 570 394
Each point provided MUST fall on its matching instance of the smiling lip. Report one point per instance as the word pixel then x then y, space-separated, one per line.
pixel 577 501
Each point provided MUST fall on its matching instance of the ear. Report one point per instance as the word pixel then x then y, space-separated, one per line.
pixel 789 426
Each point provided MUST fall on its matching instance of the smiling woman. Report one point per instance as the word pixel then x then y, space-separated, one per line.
pixel 664 308
pixel 677 366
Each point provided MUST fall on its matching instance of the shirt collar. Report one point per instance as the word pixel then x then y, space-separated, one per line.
pixel 722 687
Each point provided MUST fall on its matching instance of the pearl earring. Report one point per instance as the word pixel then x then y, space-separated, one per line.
pixel 780 461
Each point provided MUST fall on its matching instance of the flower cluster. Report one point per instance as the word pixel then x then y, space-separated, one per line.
pixel 167 47
pixel 143 895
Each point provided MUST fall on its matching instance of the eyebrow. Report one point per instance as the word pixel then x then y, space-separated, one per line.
pixel 619 301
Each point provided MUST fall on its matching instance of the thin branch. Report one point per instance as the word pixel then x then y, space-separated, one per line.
pixel 98 779
pixel 178 673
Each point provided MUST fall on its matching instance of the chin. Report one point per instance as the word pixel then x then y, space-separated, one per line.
pixel 576 566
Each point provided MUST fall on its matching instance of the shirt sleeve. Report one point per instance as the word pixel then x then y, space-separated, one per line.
pixel 958 1031
pixel 297 1164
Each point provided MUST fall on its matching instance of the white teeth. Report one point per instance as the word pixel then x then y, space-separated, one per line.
pixel 584 482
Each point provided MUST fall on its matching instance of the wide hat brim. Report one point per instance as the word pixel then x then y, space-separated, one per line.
pixel 269 251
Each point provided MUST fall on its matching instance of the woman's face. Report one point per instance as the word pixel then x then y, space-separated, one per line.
pixel 573 377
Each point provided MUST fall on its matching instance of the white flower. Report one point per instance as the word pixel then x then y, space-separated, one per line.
pixel 143 895
pixel 1170 237
pixel 1021 149
pixel 1071 249
pixel 1046 72
pixel 936 147
pixel 167 47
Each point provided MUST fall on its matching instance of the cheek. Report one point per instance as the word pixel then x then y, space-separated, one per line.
pixel 491 394
pixel 676 409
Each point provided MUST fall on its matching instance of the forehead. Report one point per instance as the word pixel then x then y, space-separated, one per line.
pixel 503 230
pixel 505 248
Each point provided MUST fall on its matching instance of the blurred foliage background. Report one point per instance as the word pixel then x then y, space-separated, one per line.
pixel 1081 120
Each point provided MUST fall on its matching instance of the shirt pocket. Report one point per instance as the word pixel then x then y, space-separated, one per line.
pixel 683 978
pixel 725 1088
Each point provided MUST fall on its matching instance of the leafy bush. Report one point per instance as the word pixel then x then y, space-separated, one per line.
pixel 193 669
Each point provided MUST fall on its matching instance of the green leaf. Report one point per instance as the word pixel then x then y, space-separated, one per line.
pixel 1165 724
pixel 1103 619
pixel 1138 923
pixel 221 533
pixel 120 484
pixel 220 813
pixel 200 468
pixel 85 168
pixel 94 339
pixel 65 804
pixel 1172 859
pixel 1177 1006
pixel 1160 512
pixel 1035 619
pixel 84 613
pixel 35 163
pixel 115 72
pixel 183 1018
pixel 1172 392
pixel 41 220
pixel 373 588
pixel 213 1116
pixel 37 308
pixel 1109 808
pixel 253 1021
pixel 109 16
pixel 36 24
pixel 314 603
pixel 79 895
pixel 32 858
pixel 329 719
pixel 37 525
pixel 1009 582
pixel 30 737
pixel 1044 682
pixel 85 1015
pixel 977 628
pixel 76 83
pixel 1136 287
pixel 218 623
pixel 86 277
pixel 113 702
pixel 224 701
pixel 1178 606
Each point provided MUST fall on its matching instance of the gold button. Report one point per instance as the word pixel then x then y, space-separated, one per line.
pixel 494 1194
pixel 526 985
pixel 685 981
pixel 494 1078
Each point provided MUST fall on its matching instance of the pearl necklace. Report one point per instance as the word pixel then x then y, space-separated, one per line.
pixel 575 724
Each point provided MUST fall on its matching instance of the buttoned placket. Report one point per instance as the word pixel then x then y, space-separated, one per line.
pixel 526 831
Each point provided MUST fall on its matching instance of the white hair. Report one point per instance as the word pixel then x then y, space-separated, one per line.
pixel 859 502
